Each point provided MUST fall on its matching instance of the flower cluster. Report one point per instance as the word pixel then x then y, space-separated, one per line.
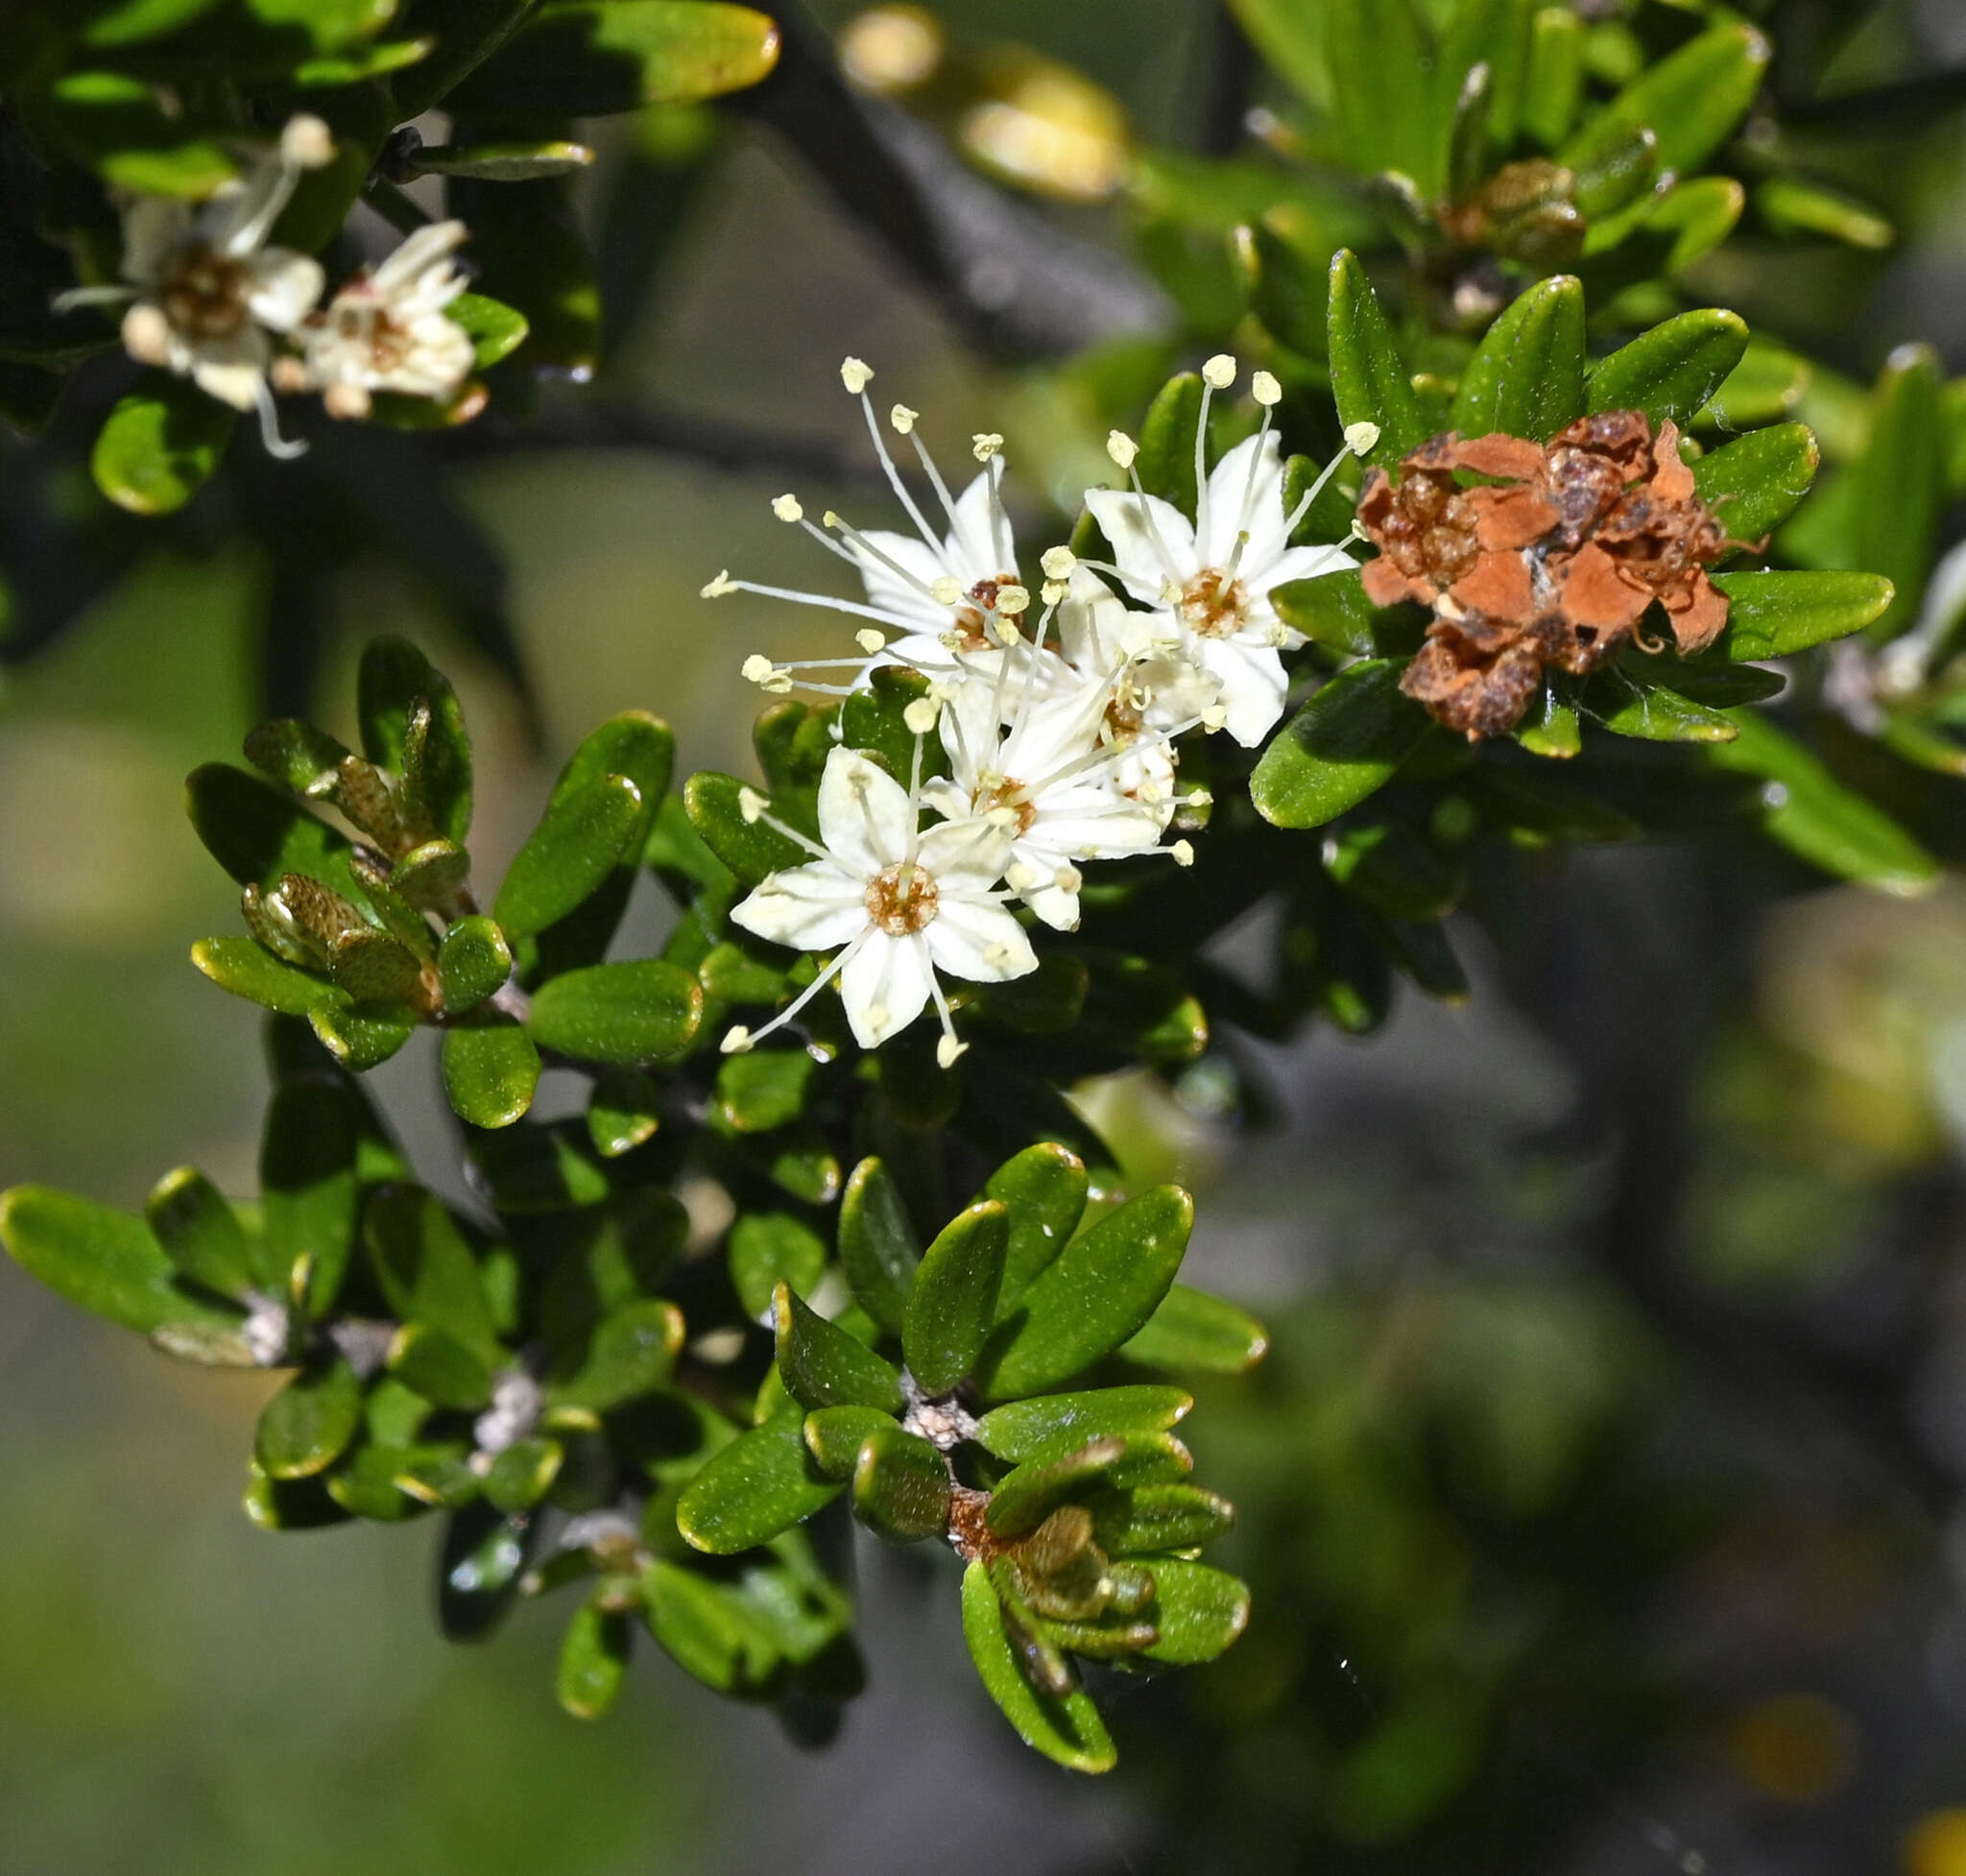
pixel 1062 739
pixel 209 297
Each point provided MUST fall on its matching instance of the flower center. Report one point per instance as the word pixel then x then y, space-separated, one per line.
pixel 365 325
pixel 204 293
pixel 1214 605
pixel 901 899
pixel 995 791
pixel 970 628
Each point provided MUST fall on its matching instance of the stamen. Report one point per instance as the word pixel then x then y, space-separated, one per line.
pixel 787 508
pixel 749 1039
pixel 1219 374
pixel 1359 438
pixel 839 523
pixel 948 1050
pixel 893 475
pixel 276 445
pixel 105 296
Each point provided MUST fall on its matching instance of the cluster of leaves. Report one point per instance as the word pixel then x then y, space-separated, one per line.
pixel 570 1372
pixel 119 97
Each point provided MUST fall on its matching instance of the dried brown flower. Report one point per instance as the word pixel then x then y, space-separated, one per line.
pixel 1553 562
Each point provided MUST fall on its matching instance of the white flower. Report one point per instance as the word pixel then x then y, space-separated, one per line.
pixel 387 330
pixel 1038 765
pixel 902 902
pixel 949 587
pixel 204 290
pixel 1211 579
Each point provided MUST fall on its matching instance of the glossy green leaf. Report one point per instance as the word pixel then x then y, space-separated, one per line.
pixel 1808 811
pixel 1199 1611
pixel 289 1504
pixel 624 1112
pixel 1795 207
pixel 770 1248
pixel 1767 384
pixel 533 1170
pixel 1068 1729
pixel 490 1069
pixel 159 444
pixel 761 1483
pixel 902 1486
pixel 1192 1332
pixel 632 1353
pixel 200 1231
pixel 394 676
pixel 1285 286
pixel 309 1423
pixel 496 329
pixel 1628 703
pixel 1376 51
pixel 568 856
pixel 358 1039
pixel 425 1266
pixel 878 1250
pixel 1897 487
pixel 583 57
pixel 750 849
pixel 825 1366
pixel 472 963
pixel 593 1661
pixel 1753 483
pixel 1554 82
pixel 436 1365
pixel 1165 1517
pixel 374 967
pixel 1166 462
pixel 1055 1426
pixel 1777 614
pixel 257 833
pixel 1341 746
pixel 1044 1190
pixel 1368 377
pixel 106 1261
pixel 1691 100
pixel 1526 377
pixel 433 874
pixel 503 162
pixel 307 1180
pixel 243 968
pixel 835 1435
pixel 953 1302
pixel 520 1475
pixel 1026 1496
pixel 1673 369
pixel 478 1569
pixel 764 1089
pixel 1388 866
pixel 1098 1292
pixel 625 1014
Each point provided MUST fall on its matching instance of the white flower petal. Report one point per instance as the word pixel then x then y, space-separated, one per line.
pixel 979 941
pixel 285 286
pixel 232 370
pixel 899 594
pixel 1229 489
pixel 154 229
pixel 1124 523
pixel 884 986
pixel 428 247
pixel 1107 826
pixel 811 909
pixel 1253 686
pixel 981 545
pixel 865 820
pixel 965 856
pixel 1056 908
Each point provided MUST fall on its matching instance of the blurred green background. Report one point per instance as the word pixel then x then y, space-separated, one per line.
pixel 1601 1493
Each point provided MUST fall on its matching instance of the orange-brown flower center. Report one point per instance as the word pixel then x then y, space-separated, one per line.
pixel 1006 792
pixel 1214 605
pixel 901 899
pixel 204 293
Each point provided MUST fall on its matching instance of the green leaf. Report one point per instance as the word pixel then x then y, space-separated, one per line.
pixel 359 1039
pixel 1768 383
pixel 394 675
pixel 1691 100
pixel 533 1170
pixel 632 1353
pixel 257 833
pixel 583 57
pixel 364 64
pixel 374 967
pixel 764 1089
pixel 1097 1293
pixel 478 1570
pixel 1799 209
pixel 1897 488
pixel 435 1364
pixel 1813 815
pixel 1674 369
pixel 625 1014
pixel 1192 1332
pixel 1168 1517
pixel 523 1473
pixel 953 1302
pixel 1341 746
pixel 1026 1496
pixel 877 1246
pixel 1777 614
pixel 1166 462
pixel 1753 483
pixel 1056 1426
pixel 496 329
pixel 761 1483
pixel 503 162
pixel 1331 610
pixel 1621 165
pixel 1368 377
pixel 1199 1611
pixel 200 1232
pixel 1045 1189
pixel 1285 287
pixel 426 1269
pixel 1376 51
pixel 432 876
pixel 297 1504
pixel 1526 377
pixel 1555 79
pixel 308 1185
pixel 473 962
pixel 1068 1730
pixel 297 756
pixel 770 1248
pixel 750 849
pixel 624 1112
pixel 106 1260
pixel 1626 701
pixel 159 444
pixel 569 855
pixel 825 1366
pixel 1384 863
pixel 490 1069
pixel 902 1486
pixel 436 768
pixel 835 1435
pixel 309 1423
pixel 593 1661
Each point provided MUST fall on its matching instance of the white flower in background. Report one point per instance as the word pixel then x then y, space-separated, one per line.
pixel 205 291
pixel 947 589
pixel 389 329
pixel 901 903
pixel 1039 766
pixel 1211 579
